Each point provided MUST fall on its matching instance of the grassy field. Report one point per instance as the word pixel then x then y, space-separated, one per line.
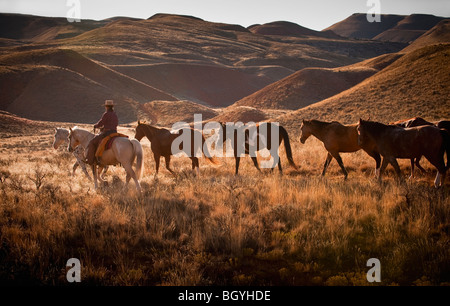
pixel 219 229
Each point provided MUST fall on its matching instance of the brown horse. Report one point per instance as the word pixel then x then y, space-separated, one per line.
pixel 161 140
pixel 261 135
pixel 444 124
pixel 396 142
pixel 336 138
pixel 418 121
pixel 412 122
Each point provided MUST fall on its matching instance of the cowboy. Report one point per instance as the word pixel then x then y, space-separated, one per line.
pixel 108 125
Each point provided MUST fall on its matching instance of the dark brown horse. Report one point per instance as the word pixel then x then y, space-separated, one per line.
pixel 444 124
pixel 261 135
pixel 412 122
pixel 161 140
pixel 336 138
pixel 418 121
pixel 396 142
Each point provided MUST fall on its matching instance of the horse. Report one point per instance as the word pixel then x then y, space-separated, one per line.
pixel 123 151
pixel 412 122
pixel 161 140
pixel 396 142
pixel 62 135
pixel 444 124
pixel 336 138
pixel 260 138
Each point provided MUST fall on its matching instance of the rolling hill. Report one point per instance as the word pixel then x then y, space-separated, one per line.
pixel 440 33
pixel 409 28
pixel 62 85
pixel 417 84
pixel 393 28
pixel 166 113
pixel 357 26
pixel 58 71
pixel 311 85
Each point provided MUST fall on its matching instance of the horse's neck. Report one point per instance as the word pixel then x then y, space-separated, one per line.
pixel 85 137
pixel 151 132
pixel 378 130
pixel 319 130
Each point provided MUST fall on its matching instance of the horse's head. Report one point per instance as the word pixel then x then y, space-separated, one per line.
pixel 60 137
pixel 305 130
pixel 73 140
pixel 362 134
pixel 139 131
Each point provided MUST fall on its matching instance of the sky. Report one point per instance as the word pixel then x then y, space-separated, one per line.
pixel 313 14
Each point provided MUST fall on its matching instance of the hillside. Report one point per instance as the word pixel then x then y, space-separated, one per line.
pixel 306 86
pixel 409 28
pixel 62 85
pixel 54 70
pixel 38 29
pixel 357 26
pixel 242 114
pixel 440 33
pixel 205 84
pixel 284 28
pixel 166 113
pixel 393 28
pixel 417 84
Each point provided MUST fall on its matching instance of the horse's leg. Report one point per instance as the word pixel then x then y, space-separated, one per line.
pixel 83 166
pixel 167 158
pixel 99 173
pixel 195 164
pixel 438 162
pixel 417 162
pixel 255 162
pixel 412 169
pixel 75 166
pixel 341 164
pixel 94 174
pixel 384 164
pixel 327 163
pixel 132 174
pixel 102 175
pixel 377 158
pixel 279 166
pixel 157 157
pixel 394 163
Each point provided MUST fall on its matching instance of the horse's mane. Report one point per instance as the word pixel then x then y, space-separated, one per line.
pixel 323 123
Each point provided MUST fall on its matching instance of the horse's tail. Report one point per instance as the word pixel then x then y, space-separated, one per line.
pixel 287 145
pixel 446 145
pixel 212 159
pixel 139 152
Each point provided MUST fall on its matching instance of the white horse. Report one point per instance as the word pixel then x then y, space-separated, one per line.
pixel 123 151
pixel 62 135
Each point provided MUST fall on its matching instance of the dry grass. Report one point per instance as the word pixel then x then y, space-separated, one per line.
pixel 295 229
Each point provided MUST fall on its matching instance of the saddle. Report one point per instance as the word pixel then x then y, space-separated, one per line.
pixel 106 143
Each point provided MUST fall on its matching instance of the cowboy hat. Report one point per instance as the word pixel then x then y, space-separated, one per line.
pixel 109 103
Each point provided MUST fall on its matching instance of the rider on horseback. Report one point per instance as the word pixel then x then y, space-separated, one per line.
pixel 108 125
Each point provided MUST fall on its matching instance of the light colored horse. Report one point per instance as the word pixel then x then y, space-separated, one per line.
pixel 62 135
pixel 123 151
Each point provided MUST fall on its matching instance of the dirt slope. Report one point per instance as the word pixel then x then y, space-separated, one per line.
pixel 440 33
pixel 166 113
pixel 409 28
pixel 311 85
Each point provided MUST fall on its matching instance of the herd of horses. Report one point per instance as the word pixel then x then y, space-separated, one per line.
pixel 385 143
